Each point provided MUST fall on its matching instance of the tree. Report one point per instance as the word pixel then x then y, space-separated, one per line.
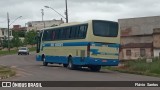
pixel 30 37
pixel 16 42
pixel 20 33
pixel 5 43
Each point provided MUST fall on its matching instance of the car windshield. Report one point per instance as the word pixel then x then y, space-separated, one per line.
pixel 23 48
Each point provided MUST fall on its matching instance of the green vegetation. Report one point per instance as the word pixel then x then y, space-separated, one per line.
pixel 6 72
pixel 30 37
pixel 4 43
pixel 15 51
pixel 8 53
pixel 16 42
pixel 139 67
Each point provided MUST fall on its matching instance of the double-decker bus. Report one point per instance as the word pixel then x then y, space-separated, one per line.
pixel 91 44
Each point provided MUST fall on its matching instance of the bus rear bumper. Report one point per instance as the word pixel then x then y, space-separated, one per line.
pixel 38 58
pixel 103 62
pixel 82 62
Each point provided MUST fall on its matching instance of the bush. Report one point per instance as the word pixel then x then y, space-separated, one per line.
pixel 143 66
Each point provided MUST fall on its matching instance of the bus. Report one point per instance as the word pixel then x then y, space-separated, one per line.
pixel 91 44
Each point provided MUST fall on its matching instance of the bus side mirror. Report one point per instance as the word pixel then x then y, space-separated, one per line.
pixel 38 44
pixel 37 50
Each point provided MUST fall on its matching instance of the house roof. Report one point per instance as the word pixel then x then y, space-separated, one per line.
pixel 137 45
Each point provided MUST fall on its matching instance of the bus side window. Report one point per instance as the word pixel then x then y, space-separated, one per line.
pixel 46 35
pixel 64 34
pixel 56 34
pixel 74 32
pixel 85 31
pixel 67 30
pixel 53 35
pixel 82 32
pixel 60 34
pixel 77 32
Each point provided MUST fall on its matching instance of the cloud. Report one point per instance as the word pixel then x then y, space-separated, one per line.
pixel 79 10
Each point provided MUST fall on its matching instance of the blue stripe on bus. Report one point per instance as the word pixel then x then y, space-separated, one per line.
pixel 79 61
pixel 108 45
pixel 79 44
pixel 76 44
pixel 95 52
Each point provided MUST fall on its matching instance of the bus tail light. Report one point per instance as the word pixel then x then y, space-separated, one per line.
pixel 88 50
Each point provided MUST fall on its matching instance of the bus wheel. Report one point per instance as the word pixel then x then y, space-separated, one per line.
pixel 70 64
pixel 65 65
pixel 44 63
pixel 95 68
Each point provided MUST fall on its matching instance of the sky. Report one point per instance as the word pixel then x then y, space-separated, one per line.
pixel 78 10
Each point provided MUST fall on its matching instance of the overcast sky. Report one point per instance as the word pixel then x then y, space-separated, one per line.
pixel 79 10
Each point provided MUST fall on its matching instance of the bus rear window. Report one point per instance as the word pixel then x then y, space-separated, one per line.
pixel 105 28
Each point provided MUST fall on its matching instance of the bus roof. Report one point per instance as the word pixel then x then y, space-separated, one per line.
pixel 73 23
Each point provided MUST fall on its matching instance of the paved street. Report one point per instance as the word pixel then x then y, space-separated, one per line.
pixel 30 70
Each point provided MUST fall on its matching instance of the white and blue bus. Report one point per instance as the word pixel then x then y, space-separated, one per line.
pixel 91 44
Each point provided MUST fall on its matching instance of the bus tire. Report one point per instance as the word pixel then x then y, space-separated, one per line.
pixel 45 63
pixel 43 59
pixel 65 65
pixel 70 64
pixel 95 68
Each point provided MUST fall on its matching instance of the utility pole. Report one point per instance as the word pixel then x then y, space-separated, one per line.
pixel 42 17
pixel 8 31
pixel 66 12
pixel 8 24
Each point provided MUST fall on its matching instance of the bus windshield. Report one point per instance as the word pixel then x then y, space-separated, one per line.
pixel 105 29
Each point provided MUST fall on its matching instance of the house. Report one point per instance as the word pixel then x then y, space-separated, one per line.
pixel 38 25
pixel 156 42
pixel 4 35
pixel 137 37
pixel 18 28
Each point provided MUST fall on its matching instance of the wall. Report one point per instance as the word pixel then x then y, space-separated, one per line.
pixel 156 41
pixel 139 26
pixel 139 31
pixel 156 38
pixel 156 52
pixel 135 53
pixel 136 39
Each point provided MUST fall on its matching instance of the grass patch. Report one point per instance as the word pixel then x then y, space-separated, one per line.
pixel 8 53
pixel 32 49
pixel 139 67
pixel 15 51
pixel 6 72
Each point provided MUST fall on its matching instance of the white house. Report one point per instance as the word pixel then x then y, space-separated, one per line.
pixel 38 25
pixel 4 34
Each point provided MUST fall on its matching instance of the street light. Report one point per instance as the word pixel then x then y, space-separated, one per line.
pixel 8 24
pixel 66 12
pixel 42 17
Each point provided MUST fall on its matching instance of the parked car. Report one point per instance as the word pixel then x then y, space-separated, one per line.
pixel 23 50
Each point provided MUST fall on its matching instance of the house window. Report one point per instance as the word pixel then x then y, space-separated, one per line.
pixel 2 32
pixel 128 52
pixel 142 52
pixel 10 33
